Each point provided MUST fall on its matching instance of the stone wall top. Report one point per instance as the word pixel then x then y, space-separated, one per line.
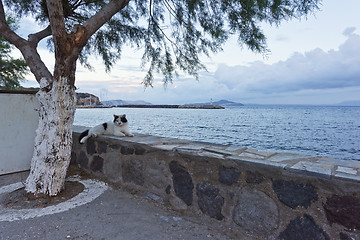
pixel 32 92
pixel 320 167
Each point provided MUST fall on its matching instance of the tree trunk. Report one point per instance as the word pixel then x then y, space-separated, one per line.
pixel 53 139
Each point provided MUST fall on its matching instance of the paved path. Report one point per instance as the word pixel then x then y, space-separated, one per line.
pixel 115 214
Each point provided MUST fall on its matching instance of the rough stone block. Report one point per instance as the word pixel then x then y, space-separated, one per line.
pixel 344 210
pixel 228 175
pixel 90 146
pixel 73 159
pixel 112 166
pixel 280 157
pixel 157 173
pixel 254 177
pixel 348 177
pixel 209 200
pixel 218 151
pixel 303 228
pixel 206 170
pixel 132 171
pixel 83 160
pixel 313 169
pixel 346 170
pixel 114 146
pixel 127 150
pixel 102 147
pixel 167 147
pixel 260 153
pixel 294 194
pixel 139 150
pixel 251 155
pixel 182 182
pixel 97 164
pixel 256 212
pixel 344 236
pixel 168 189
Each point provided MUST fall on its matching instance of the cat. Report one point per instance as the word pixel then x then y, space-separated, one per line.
pixel 118 127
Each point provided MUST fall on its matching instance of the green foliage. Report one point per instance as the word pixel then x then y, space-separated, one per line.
pixel 172 33
pixel 11 70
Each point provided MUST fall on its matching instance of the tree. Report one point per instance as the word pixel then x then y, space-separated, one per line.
pixel 11 70
pixel 173 34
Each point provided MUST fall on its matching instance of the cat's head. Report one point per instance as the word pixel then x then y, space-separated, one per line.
pixel 120 119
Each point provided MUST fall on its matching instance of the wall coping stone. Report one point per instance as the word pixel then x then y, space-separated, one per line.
pixel 321 167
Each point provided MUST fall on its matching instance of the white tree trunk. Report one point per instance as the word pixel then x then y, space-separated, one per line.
pixel 53 139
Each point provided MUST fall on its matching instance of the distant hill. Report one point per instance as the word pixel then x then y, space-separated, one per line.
pixel 224 103
pixel 349 103
pixel 87 99
pixel 124 102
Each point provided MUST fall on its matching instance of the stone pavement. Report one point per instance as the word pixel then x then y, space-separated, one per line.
pixel 114 214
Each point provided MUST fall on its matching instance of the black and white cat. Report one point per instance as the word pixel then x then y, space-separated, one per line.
pixel 118 127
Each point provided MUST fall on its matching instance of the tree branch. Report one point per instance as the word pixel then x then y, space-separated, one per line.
pixel 29 52
pixel 104 15
pixel 57 22
pixel 35 38
pixel 6 32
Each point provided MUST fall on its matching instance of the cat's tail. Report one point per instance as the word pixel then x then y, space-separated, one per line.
pixel 84 136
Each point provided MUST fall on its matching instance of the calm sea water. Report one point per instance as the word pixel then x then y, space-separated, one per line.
pixel 318 131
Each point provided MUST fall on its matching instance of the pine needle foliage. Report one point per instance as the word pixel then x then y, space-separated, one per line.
pixel 173 34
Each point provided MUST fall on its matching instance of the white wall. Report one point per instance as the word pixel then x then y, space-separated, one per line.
pixel 18 122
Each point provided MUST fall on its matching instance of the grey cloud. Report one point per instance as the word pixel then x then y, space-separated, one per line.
pixel 349 31
pixel 315 69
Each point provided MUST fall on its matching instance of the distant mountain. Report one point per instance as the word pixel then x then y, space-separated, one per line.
pixel 224 103
pixel 124 102
pixel 349 103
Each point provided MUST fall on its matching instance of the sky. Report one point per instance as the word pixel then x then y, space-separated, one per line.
pixel 315 60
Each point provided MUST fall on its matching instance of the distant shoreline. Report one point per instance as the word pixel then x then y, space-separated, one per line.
pixel 159 106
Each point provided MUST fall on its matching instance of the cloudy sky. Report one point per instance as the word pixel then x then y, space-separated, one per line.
pixel 312 61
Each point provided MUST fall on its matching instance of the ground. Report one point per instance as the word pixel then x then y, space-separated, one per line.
pixel 115 214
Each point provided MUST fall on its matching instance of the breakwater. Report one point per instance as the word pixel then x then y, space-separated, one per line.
pixel 254 194
pixel 173 106
pixel 156 106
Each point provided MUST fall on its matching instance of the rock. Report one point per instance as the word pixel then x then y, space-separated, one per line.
pixel 87 99
pixel 102 147
pixel 157 173
pixel 139 150
pixel 182 182
pixel 256 212
pixel 97 164
pixel 228 175
pixel 83 160
pixel 127 150
pixel 90 146
pixel 344 236
pixel 254 177
pixel 73 159
pixel 209 200
pixel 344 210
pixel 112 166
pixel 294 194
pixel 168 189
pixel 303 228
pixel 132 171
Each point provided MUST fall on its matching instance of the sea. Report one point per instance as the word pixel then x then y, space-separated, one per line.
pixel 325 131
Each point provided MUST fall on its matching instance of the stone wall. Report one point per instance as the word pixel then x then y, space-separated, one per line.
pixel 251 194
